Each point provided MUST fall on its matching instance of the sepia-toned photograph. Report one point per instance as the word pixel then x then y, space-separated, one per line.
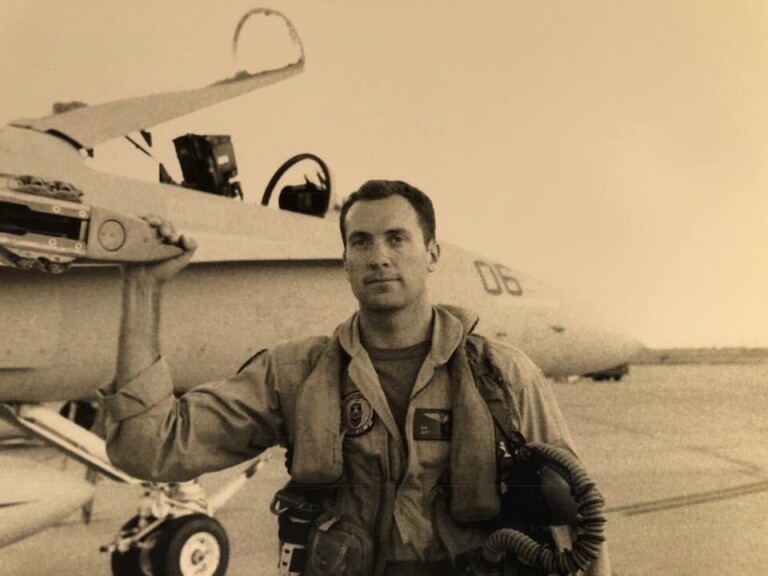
pixel 361 288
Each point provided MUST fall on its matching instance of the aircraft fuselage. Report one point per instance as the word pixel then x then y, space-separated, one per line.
pixel 60 332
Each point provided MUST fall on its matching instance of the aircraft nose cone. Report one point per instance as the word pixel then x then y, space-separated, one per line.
pixel 572 341
pixel 604 346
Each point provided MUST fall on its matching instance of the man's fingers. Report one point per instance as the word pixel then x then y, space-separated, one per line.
pixel 187 243
pixel 166 230
pixel 153 220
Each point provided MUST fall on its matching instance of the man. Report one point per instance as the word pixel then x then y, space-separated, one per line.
pixel 378 416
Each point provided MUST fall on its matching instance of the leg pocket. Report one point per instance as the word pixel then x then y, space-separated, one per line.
pixel 339 546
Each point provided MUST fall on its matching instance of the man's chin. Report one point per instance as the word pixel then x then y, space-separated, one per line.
pixel 382 304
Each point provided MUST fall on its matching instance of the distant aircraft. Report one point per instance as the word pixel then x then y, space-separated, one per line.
pixel 261 275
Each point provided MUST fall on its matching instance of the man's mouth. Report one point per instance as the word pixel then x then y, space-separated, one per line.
pixel 380 280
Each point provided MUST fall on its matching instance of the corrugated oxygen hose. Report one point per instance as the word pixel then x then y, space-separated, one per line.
pixel 590 524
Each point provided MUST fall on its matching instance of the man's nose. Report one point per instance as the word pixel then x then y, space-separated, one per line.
pixel 379 255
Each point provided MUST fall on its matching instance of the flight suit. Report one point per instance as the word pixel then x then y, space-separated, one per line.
pixel 322 397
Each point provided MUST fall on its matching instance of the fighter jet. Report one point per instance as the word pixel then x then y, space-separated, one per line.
pixel 262 274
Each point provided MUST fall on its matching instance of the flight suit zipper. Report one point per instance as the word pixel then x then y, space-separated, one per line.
pixel 385 522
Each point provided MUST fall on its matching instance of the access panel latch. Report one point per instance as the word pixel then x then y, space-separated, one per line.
pixel 45 226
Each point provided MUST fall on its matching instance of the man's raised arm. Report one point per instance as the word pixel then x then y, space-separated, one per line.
pixel 139 342
pixel 151 433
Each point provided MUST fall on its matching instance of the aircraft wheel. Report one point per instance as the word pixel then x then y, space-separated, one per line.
pixel 194 545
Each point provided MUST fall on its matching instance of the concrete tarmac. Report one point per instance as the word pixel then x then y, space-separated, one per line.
pixel 679 452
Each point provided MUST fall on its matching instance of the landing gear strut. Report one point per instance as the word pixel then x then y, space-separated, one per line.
pixel 175 533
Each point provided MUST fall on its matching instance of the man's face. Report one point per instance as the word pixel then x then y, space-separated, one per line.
pixel 386 260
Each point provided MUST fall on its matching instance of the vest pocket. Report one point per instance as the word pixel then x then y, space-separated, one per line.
pixel 339 546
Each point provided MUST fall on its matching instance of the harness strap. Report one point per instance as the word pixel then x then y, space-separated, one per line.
pixel 489 380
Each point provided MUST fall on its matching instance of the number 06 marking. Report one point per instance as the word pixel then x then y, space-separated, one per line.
pixel 498 278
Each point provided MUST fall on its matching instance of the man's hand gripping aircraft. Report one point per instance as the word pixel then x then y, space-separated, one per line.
pixel 261 275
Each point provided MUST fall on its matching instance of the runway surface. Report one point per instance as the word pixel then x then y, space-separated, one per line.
pixel 679 452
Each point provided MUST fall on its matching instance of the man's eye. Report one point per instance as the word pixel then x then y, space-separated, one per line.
pixel 358 242
pixel 396 240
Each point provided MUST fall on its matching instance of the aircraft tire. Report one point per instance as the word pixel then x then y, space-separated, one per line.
pixel 191 545
pixel 126 564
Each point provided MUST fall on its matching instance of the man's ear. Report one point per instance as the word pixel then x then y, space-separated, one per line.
pixel 433 253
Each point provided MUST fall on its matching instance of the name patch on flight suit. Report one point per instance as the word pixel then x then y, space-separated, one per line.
pixel 357 414
pixel 432 424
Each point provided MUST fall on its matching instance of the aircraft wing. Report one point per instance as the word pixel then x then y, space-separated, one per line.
pixel 92 125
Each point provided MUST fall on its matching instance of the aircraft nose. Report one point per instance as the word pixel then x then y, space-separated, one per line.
pixel 576 341
pixel 600 343
pixel 611 345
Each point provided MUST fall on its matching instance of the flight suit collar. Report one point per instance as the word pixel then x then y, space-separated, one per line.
pixel 451 326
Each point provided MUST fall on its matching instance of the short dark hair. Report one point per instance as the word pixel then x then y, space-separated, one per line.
pixel 380 189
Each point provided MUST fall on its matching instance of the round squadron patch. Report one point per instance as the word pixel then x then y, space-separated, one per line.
pixel 357 414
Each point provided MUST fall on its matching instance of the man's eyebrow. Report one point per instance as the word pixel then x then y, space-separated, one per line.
pixel 389 231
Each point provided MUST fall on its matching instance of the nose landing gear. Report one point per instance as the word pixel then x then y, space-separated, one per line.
pixel 174 532
pixel 192 545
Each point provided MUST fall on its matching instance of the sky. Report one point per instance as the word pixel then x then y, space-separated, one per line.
pixel 617 150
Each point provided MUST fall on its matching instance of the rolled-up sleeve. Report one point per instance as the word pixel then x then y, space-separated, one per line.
pixel 148 389
pixel 153 435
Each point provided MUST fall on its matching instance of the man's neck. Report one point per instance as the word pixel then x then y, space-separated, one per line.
pixel 396 329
